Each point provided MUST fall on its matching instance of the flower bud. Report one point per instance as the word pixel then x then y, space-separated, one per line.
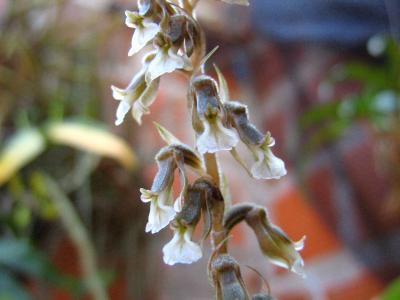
pixel 227 279
pixel 274 243
pixel 262 296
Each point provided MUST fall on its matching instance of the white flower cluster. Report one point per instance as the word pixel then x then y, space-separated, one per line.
pixel 220 124
pixel 173 36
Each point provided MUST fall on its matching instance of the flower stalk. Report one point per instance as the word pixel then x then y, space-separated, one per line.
pixel 220 124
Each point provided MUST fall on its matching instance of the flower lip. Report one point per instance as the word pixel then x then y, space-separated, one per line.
pixel 166 59
pixel 181 249
pixel 161 210
pixel 216 137
pixel 267 165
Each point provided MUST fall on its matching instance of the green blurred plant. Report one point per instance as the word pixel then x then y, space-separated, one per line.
pixel 49 71
pixel 378 102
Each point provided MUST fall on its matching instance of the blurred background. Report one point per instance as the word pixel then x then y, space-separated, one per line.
pixel 322 76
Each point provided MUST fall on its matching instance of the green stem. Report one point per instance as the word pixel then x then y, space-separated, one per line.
pixel 80 237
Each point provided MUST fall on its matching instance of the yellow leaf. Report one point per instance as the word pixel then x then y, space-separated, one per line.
pixel 21 149
pixel 93 139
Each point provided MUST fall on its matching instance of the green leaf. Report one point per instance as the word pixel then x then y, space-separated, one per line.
pixel 392 292
pixel 20 256
pixel 374 76
pixel 10 288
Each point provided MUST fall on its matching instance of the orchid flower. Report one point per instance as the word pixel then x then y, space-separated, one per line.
pixel 138 95
pixel 181 249
pixel 214 135
pixel 166 59
pixel 266 165
pixel 145 30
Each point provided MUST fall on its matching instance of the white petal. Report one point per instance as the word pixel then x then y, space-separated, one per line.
pixel 268 166
pixel 138 110
pixel 216 137
pixel 164 62
pixel 159 217
pixel 117 93
pixel 143 35
pixel 147 98
pixel 161 210
pixel 147 195
pixel 181 249
pixel 299 245
pixel 132 18
pixel 298 267
pixel 178 204
pixel 122 110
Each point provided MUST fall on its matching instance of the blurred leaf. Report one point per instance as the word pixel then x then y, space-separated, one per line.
pixel 18 255
pixel 319 113
pixel 91 138
pixel 39 190
pixel 327 134
pixel 11 289
pixel 21 149
pixel 374 76
pixel 392 292
pixel 80 237
pixel 21 216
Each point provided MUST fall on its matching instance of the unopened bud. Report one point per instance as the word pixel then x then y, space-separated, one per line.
pixel 227 278
pixel 274 243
